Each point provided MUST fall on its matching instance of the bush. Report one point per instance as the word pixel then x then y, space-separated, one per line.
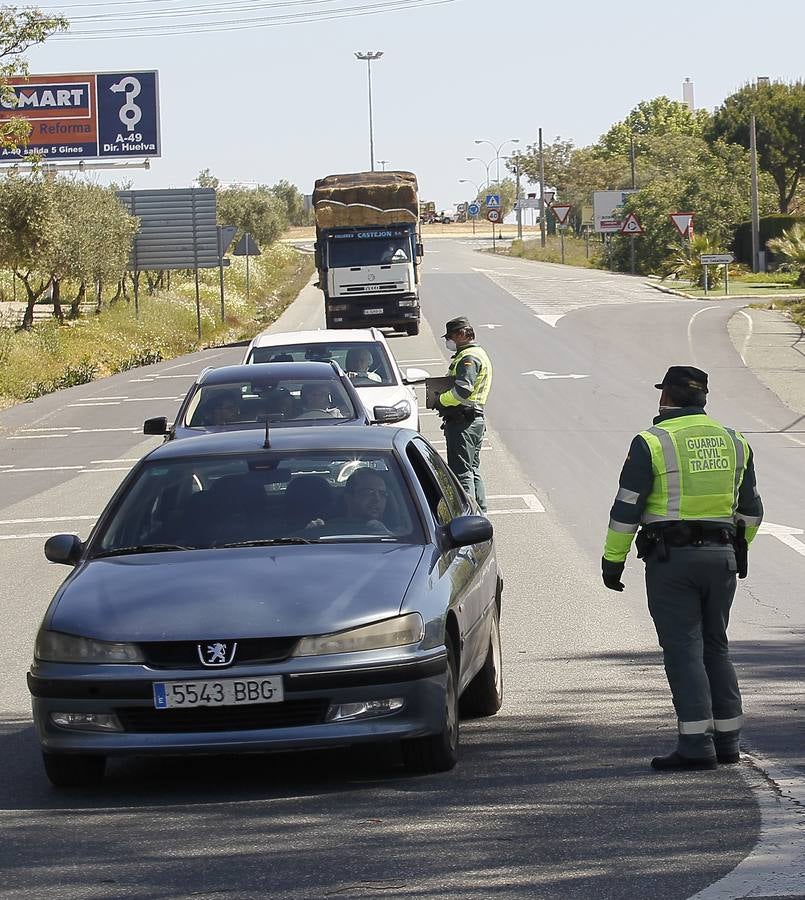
pixel 770 227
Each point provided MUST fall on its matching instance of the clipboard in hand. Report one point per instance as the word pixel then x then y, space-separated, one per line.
pixel 435 387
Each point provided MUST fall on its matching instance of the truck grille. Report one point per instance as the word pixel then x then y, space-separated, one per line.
pixel 373 287
pixel 254 717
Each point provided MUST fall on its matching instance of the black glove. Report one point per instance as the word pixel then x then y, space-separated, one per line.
pixel 611 573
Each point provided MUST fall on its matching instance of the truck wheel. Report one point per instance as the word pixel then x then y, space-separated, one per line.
pixel 412 330
pixel 73 770
pixel 484 694
pixel 438 752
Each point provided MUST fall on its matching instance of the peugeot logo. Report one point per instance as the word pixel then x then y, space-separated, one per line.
pixel 217 653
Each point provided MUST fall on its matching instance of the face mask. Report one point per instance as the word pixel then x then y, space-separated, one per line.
pixel 451 345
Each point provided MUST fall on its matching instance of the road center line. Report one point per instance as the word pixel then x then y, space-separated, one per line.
pixel 48 519
pixel 690 329
pixel 748 337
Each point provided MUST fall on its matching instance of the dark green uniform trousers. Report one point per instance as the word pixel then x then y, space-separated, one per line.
pixel 689 598
pixel 464 439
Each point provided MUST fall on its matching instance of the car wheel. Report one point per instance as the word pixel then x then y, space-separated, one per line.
pixel 412 330
pixel 73 770
pixel 438 752
pixel 484 694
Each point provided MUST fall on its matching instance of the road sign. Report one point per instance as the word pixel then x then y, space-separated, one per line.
pixel 631 225
pixel 607 216
pixel 81 117
pixel 227 234
pixel 473 209
pixel 716 259
pixel 547 197
pixel 683 222
pixel 527 203
pixel 246 246
pixel 177 229
pixel 561 211
pixel 493 201
pixel 493 215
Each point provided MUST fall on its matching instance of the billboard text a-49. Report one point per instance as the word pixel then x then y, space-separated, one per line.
pixel 74 117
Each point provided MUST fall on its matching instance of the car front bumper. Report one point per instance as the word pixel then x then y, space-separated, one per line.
pixel 295 723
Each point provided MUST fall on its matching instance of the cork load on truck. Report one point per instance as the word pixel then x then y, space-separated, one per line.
pixel 367 249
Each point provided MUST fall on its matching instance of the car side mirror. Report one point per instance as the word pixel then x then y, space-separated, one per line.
pixel 420 250
pixel 467 530
pixel 158 425
pixel 415 376
pixel 388 415
pixel 64 548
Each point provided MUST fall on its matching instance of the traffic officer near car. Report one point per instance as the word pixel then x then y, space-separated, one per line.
pixel 462 406
pixel 690 483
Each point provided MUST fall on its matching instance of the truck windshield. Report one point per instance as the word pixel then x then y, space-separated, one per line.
pixel 375 252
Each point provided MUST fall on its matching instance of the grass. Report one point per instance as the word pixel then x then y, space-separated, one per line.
pixel 758 285
pixel 793 308
pixel 52 356
pixel 576 251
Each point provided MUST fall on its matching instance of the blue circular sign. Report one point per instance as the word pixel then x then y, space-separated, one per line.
pixel 473 209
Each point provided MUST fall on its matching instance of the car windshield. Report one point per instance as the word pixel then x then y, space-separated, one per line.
pixel 259 500
pixel 243 403
pixel 369 252
pixel 365 362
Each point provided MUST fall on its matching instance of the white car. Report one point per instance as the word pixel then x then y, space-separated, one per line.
pixel 362 353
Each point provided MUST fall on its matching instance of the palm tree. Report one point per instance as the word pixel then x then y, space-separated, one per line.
pixel 791 246
pixel 683 261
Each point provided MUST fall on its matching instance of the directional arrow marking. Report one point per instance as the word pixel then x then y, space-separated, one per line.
pixel 785 534
pixel 551 320
pixel 544 376
pixel 490 326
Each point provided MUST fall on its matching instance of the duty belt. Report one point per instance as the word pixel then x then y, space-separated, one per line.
pixel 680 534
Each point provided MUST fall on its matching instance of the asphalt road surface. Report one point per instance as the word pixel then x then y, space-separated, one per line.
pixel 551 798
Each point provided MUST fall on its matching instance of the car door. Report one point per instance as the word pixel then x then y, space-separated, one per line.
pixel 461 569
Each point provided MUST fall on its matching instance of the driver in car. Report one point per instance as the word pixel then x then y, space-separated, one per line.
pixel 357 364
pixel 315 399
pixel 365 498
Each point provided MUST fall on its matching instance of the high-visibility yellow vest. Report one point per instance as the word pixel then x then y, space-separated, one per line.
pixel 483 382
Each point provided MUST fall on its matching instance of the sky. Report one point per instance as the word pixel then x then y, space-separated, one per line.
pixel 268 103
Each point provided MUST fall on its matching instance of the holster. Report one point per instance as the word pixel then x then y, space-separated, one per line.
pixel 651 541
pixel 741 549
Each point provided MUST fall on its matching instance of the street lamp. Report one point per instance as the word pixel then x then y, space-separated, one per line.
pixel 383 163
pixel 498 148
pixel 370 56
pixel 486 165
pixel 474 184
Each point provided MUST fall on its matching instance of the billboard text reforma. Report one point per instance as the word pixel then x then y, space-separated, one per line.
pixel 109 115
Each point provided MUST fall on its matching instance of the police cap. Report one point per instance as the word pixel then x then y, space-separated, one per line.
pixel 456 325
pixel 684 376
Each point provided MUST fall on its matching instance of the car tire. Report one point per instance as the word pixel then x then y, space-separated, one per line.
pixel 484 694
pixel 412 330
pixel 438 752
pixel 73 770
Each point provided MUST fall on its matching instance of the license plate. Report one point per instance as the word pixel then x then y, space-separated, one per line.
pixel 373 312
pixel 220 692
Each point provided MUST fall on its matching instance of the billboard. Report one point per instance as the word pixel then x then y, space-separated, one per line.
pixel 110 115
pixel 607 208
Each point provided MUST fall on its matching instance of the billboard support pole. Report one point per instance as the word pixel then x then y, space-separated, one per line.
pixel 221 272
pixel 198 306
pixel 135 277
pixel 248 286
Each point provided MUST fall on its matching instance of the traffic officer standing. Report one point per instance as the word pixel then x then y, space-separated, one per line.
pixel 690 483
pixel 462 407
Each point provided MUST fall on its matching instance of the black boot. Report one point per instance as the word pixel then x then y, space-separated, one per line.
pixel 675 762
pixel 728 759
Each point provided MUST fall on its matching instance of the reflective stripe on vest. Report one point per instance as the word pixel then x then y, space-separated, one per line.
pixel 480 390
pixel 698 468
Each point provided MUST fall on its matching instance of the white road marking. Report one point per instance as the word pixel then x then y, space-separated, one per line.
pixel 30 437
pixel 56 428
pixel 48 519
pixel 43 469
pixel 151 378
pixel 417 361
pixel 690 329
pixel 23 537
pixel 784 534
pixel 531 501
pixel 550 320
pixel 196 362
pixel 748 334
pixel 27 437
pixel 545 376
pixel 93 404
pixel 490 326
pixel 100 462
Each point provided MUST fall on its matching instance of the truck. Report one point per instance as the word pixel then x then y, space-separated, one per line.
pixel 367 249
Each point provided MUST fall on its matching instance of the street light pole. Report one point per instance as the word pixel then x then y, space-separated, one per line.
pixel 541 192
pixel 477 194
pixel 383 163
pixel 497 150
pixel 370 56
pixel 484 164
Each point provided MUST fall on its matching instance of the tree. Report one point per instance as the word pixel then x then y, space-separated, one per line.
pixel 256 210
pixel 291 198
pixel 791 246
pixel 652 118
pixel 19 30
pixel 507 191
pixel 206 179
pixel 779 111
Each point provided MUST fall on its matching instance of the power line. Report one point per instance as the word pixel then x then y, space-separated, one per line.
pixel 213 9
pixel 190 28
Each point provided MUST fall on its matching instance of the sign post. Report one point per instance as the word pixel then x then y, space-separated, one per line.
pixel 247 247
pixel 717 259
pixel 472 211
pixel 561 212
pixel 632 227
pixel 225 235
pixel 493 215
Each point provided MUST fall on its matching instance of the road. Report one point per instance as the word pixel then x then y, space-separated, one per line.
pixel 553 797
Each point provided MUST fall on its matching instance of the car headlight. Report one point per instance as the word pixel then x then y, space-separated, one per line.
pixel 404 407
pixel 395 632
pixel 53 646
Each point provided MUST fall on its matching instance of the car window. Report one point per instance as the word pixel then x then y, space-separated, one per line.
pixel 442 503
pixel 365 362
pixel 454 497
pixel 210 502
pixel 281 400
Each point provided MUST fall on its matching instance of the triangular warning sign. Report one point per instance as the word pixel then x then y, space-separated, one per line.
pixel 683 222
pixel 561 211
pixel 631 225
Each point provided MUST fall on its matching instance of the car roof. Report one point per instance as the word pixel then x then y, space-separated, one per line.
pixel 320 336
pixel 321 437
pixel 254 371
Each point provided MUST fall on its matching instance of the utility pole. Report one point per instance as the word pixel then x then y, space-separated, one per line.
pixel 370 57
pixel 632 265
pixel 541 192
pixel 755 210
pixel 518 199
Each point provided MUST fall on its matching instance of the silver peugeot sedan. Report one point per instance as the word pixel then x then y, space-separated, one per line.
pixel 242 592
